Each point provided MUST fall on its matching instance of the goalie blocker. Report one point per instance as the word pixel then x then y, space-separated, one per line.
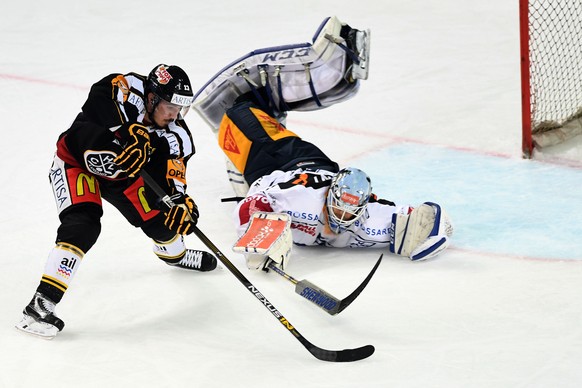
pixel 267 239
pixel 422 234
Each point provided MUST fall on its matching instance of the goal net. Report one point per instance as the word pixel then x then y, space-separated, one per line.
pixel 551 72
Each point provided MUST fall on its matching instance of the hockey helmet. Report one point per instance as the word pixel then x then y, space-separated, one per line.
pixel 348 195
pixel 171 84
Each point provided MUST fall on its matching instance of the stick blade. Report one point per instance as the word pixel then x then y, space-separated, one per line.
pixel 346 355
pixel 350 298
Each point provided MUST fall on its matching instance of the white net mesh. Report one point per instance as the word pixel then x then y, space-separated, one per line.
pixel 555 46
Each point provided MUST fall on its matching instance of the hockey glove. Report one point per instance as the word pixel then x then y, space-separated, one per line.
pixel 422 234
pixel 267 239
pixel 183 216
pixel 136 151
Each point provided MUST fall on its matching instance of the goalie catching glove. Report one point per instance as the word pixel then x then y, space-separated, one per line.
pixel 136 148
pixel 183 216
pixel 267 239
pixel 422 234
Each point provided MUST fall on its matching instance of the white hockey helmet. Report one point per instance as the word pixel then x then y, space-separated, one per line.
pixel 348 195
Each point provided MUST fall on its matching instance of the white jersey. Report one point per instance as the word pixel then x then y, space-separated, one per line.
pixel 302 195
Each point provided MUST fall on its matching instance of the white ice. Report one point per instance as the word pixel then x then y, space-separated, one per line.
pixel 438 120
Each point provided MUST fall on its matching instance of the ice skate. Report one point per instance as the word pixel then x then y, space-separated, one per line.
pixel 39 318
pixel 196 261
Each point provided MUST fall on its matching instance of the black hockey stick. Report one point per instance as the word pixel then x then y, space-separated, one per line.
pixel 317 295
pixel 345 355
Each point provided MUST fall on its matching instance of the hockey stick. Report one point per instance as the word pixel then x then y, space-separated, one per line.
pixel 345 355
pixel 317 295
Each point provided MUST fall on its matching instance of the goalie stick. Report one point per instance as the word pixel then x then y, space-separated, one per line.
pixel 345 355
pixel 317 295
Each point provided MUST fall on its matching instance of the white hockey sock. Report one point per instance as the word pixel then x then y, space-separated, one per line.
pixel 62 265
pixel 170 251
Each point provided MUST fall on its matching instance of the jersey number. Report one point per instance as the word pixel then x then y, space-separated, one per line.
pixel 306 179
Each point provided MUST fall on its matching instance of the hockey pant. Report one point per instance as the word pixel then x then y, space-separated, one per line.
pixel 78 195
pixel 257 144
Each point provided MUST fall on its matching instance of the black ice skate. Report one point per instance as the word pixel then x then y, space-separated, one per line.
pixel 39 318
pixel 196 260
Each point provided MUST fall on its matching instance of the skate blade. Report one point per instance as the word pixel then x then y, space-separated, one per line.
pixel 42 330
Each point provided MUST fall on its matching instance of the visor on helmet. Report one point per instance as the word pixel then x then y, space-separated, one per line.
pixel 172 85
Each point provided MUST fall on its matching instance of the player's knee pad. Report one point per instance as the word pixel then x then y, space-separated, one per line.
pixel 80 225
pixel 156 230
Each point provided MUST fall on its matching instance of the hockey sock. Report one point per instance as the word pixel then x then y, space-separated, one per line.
pixel 171 251
pixel 60 268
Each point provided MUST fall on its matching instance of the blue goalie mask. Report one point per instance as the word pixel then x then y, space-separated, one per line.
pixel 348 195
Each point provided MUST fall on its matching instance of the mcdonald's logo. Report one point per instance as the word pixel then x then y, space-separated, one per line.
pixel 142 199
pixel 87 182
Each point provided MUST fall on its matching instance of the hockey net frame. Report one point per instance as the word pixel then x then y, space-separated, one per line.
pixel 551 72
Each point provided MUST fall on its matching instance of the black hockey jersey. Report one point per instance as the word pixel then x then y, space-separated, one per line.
pixel 93 140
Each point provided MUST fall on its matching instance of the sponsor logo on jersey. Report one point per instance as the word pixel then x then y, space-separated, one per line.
pixel 252 204
pixel 373 231
pixel 310 230
pixel 172 140
pixel 60 187
pixel 303 216
pixel 176 170
pixel 101 163
pixel 137 101
pixel 162 74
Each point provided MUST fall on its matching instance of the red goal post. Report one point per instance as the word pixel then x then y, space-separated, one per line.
pixel 551 72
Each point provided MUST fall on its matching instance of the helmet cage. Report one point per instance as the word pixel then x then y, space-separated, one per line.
pixel 348 195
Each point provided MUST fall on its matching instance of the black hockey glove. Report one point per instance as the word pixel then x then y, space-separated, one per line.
pixel 136 150
pixel 183 216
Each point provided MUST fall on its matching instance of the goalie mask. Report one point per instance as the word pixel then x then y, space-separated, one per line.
pixel 171 84
pixel 348 195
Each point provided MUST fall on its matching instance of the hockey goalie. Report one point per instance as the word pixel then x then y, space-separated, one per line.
pixel 333 210
pixel 281 179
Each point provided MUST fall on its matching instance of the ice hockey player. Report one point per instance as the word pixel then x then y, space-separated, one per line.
pixel 325 205
pixel 128 123
pixel 293 180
